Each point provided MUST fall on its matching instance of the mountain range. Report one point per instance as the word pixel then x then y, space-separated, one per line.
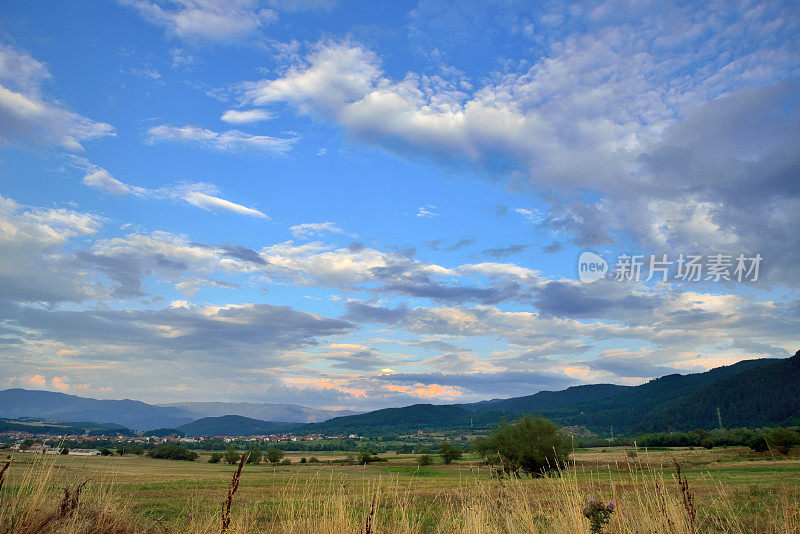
pixel 137 415
pixel 751 393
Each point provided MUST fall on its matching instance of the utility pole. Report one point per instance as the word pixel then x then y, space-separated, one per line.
pixel 719 418
pixel 612 432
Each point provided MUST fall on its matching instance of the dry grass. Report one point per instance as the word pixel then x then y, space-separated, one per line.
pixel 42 497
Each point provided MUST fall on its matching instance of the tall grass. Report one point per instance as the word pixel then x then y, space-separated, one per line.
pixel 648 500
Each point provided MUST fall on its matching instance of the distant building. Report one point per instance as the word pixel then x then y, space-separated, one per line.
pixel 84 452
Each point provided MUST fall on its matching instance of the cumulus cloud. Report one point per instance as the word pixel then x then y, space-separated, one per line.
pixel 667 157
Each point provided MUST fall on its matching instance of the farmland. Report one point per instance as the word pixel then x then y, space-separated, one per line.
pixel 729 490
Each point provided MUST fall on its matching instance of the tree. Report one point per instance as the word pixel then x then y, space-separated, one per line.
pixel 215 458
pixel 424 459
pixel 708 443
pixel 106 452
pixel 783 439
pixel 254 455
pixel 172 452
pixel 231 456
pixel 758 443
pixel 530 444
pixel 449 452
pixel 274 455
pixel 64 450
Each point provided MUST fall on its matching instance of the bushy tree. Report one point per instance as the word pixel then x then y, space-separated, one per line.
pixel 424 459
pixel 173 452
pixel 231 456
pixel 758 443
pixel 783 439
pixel 449 452
pixel 215 458
pixel 533 445
pixel 274 455
pixel 708 443
pixel 254 455
pixel 106 452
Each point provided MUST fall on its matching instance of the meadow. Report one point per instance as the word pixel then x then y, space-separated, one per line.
pixel 676 490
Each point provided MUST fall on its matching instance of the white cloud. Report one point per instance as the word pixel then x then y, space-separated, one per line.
pixel 247 116
pixel 229 141
pixel 213 20
pixel 307 230
pixel 212 203
pixel 27 116
pixel 426 211
pixel 197 194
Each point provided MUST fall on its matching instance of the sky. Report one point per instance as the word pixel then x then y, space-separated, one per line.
pixel 359 205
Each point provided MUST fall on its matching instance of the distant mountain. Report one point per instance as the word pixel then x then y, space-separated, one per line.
pixel 665 403
pixel 750 393
pixel 234 425
pixel 289 413
pixel 136 415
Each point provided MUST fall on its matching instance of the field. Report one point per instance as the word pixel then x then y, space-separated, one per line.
pixel 723 490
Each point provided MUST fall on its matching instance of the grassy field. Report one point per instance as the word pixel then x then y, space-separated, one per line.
pixel 725 490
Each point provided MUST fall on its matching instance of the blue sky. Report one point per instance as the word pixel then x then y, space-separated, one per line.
pixel 371 204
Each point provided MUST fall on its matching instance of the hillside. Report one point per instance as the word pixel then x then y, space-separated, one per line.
pixel 234 425
pixel 597 407
pixel 764 396
pixel 58 428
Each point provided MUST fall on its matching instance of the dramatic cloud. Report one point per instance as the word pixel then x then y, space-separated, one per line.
pixel 667 156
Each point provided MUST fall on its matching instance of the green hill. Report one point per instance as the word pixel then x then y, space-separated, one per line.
pixel 234 425
pixel 659 404
pixel 764 396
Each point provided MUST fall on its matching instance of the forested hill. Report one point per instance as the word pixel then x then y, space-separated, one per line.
pixel 758 392
pixel 767 395
pixel 234 425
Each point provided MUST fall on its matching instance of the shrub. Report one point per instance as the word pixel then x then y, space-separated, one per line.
pixel 231 456
pixel 65 450
pixel 173 452
pixel 286 461
pixel 530 444
pixel 254 455
pixel 274 455
pixel 758 443
pixel 303 460
pixel 313 460
pixel 598 515
pixel 449 452
pixel 708 443
pixel 215 458
pixel 424 460
pixel 106 452
pixel 783 439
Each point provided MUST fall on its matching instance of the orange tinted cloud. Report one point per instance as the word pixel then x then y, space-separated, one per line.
pixel 37 380
pixel 426 392
pixel 326 383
